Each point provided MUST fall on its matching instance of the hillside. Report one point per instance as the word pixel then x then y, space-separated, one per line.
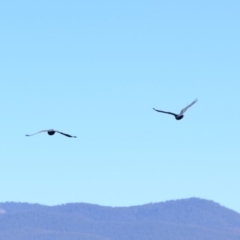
pixel 192 219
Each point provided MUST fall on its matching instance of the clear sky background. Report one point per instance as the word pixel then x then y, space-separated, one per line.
pixel 96 69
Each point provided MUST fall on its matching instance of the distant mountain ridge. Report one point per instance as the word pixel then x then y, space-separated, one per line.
pixel 192 219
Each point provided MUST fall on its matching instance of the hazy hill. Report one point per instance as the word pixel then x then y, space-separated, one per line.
pixel 192 219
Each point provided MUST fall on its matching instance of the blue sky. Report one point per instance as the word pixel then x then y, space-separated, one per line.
pixel 95 69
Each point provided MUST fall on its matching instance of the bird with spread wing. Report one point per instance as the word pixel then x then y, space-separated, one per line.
pixel 180 115
pixel 51 132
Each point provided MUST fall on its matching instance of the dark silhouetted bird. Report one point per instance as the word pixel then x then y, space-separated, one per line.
pixel 52 132
pixel 180 115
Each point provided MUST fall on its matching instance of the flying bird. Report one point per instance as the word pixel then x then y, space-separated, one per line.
pixel 52 132
pixel 180 115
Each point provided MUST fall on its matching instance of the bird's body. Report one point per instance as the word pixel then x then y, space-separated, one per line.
pixel 52 132
pixel 180 115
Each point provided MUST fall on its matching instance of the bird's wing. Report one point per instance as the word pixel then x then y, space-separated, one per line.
pixel 186 108
pixel 36 133
pixel 65 134
pixel 165 112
